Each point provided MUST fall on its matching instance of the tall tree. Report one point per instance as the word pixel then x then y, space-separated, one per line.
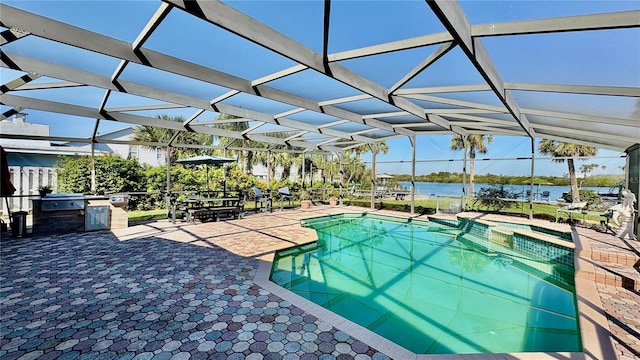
pixel 475 144
pixel 379 147
pixel 353 170
pixel 561 150
pixel 276 157
pixel 282 159
pixel 245 157
pixel 356 173
pixel 586 169
pixel 147 133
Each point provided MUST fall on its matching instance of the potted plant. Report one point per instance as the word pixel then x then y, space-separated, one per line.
pixel 305 199
pixel 44 190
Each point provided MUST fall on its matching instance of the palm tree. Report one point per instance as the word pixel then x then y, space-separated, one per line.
pixel 286 160
pixel 277 158
pixel 559 151
pixel 379 147
pixel 357 167
pixel 155 134
pixel 475 143
pixel 353 170
pixel 245 157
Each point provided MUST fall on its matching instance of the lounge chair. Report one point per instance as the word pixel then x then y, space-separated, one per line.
pixel 284 195
pixel 572 208
pixel 262 202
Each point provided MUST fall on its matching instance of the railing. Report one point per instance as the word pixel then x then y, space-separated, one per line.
pixel 17 203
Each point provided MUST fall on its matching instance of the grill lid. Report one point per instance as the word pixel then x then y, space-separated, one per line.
pixel 64 196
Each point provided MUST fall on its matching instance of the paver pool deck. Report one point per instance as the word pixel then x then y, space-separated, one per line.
pixel 195 291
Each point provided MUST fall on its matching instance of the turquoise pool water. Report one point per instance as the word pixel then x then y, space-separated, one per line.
pixel 428 288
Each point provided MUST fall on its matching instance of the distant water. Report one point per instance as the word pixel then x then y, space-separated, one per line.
pixel 431 189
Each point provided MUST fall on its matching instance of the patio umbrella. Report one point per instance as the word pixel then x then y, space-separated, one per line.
pixel 6 187
pixel 206 160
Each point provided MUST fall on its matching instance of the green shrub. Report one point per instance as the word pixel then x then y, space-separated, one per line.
pixel 494 197
pixel 113 175
pixel 591 197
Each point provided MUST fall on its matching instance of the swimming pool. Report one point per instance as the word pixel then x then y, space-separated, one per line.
pixel 432 288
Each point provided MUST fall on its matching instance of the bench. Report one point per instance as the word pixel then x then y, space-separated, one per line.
pixel 213 213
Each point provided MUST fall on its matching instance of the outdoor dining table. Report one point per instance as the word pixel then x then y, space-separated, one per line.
pixel 208 207
pixel 210 202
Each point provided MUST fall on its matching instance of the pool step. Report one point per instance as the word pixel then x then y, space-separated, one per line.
pixel 619 268
pixel 627 277
pixel 616 266
pixel 627 258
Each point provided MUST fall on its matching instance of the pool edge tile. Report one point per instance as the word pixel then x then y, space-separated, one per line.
pixel 383 345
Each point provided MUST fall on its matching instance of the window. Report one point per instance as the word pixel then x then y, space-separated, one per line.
pixel 133 152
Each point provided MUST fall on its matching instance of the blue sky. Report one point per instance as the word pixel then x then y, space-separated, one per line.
pixel 503 147
pixel 564 58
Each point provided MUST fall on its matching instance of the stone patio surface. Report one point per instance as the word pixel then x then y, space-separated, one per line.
pixel 182 291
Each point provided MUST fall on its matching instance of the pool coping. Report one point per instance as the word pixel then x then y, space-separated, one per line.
pixel 594 329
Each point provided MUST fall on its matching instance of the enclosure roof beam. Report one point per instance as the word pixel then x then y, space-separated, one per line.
pixel 586 141
pixel 582 117
pixel 11 112
pixel 232 20
pixel 18 62
pixel 51 85
pixel 576 89
pixel 461 103
pixel 10 35
pixel 146 107
pixel 615 20
pixel 81 111
pixel 440 52
pixel 84 39
pixel 454 19
pixel 152 25
pixel 605 21
pixel 18 82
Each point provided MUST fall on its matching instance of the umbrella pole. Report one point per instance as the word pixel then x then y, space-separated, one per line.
pixel 224 175
pixel 6 200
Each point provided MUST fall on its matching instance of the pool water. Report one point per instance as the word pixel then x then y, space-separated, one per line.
pixel 426 287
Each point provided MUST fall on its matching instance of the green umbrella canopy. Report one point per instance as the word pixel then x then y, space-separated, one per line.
pixel 205 159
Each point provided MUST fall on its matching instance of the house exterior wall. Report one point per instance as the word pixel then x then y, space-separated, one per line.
pixel 145 155
pixel 152 157
pixel 31 162
pixel 27 180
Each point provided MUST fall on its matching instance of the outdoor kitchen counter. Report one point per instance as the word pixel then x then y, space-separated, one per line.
pixel 64 213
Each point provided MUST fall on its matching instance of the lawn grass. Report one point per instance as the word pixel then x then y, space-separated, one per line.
pixel 145 215
pixel 422 206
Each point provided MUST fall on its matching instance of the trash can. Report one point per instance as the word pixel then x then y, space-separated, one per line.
pixel 19 224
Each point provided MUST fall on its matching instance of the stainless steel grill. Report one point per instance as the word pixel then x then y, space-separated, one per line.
pixel 57 202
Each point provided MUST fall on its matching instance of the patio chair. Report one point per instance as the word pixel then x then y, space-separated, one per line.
pixel 284 195
pixel 262 202
pixel 545 195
